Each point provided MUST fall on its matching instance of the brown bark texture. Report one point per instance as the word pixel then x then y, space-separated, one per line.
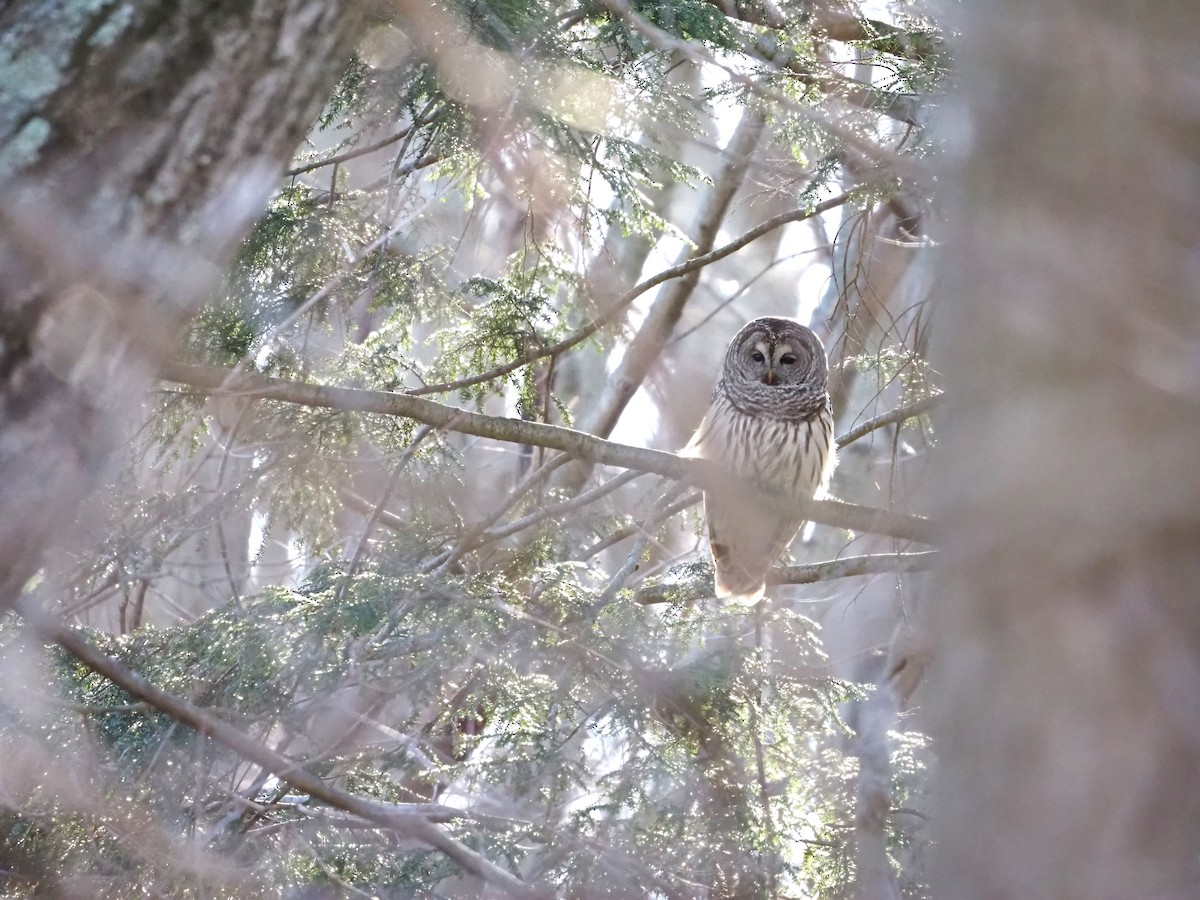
pixel 1066 693
pixel 138 141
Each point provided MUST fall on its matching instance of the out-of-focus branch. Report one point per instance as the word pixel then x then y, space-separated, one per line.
pixel 117 214
pixel 852 566
pixel 417 821
pixel 836 25
pixel 585 447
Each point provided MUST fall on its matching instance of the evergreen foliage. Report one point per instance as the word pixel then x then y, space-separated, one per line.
pixel 579 739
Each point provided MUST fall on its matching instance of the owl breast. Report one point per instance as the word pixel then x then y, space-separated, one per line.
pixel 792 457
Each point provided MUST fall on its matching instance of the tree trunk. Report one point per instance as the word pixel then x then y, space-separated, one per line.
pixel 1066 695
pixel 138 140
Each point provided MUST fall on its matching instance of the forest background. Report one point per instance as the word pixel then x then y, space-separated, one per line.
pixel 345 349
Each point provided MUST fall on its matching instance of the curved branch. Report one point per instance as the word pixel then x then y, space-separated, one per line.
pixel 585 447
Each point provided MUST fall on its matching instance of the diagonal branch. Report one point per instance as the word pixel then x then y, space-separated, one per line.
pixel 621 303
pixel 895 417
pixel 415 821
pixel 585 447
pixel 356 152
pixel 664 313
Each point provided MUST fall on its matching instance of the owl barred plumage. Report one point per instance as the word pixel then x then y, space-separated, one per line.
pixel 769 422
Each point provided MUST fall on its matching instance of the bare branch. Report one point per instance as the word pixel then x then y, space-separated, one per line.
pixel 664 313
pixel 852 566
pixel 362 151
pixel 836 25
pixel 581 446
pixel 471 538
pixel 621 534
pixel 895 417
pixel 881 36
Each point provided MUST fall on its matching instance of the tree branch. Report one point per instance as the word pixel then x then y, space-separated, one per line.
pixel 847 567
pixel 362 151
pixel 581 446
pixel 895 417
pixel 664 313
pixel 853 566
pixel 851 139
pixel 619 305
pixel 838 26
pixel 414 822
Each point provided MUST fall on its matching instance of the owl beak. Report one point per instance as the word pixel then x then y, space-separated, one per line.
pixel 770 377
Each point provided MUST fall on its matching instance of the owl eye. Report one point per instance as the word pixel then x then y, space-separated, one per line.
pixel 758 357
pixel 788 359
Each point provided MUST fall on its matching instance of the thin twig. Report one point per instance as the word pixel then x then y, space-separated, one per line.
pixel 895 417
pixel 443 560
pixel 361 151
pixel 373 520
pixel 621 534
pixel 559 509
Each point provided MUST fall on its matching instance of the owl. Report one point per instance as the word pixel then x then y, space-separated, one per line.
pixel 770 423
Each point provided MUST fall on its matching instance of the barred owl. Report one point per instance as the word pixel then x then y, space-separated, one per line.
pixel 770 423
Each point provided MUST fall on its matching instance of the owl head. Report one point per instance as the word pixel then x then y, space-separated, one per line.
pixel 777 367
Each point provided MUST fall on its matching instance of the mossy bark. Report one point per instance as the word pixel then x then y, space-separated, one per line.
pixel 138 141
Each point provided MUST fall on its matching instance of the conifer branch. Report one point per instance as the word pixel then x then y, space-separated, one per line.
pixel 416 821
